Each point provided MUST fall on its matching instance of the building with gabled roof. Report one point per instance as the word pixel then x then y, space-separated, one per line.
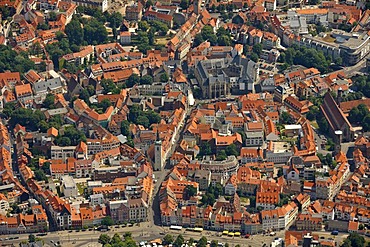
pixel 339 126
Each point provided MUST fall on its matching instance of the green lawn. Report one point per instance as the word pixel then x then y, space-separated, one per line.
pixel 314 124
pixel 80 188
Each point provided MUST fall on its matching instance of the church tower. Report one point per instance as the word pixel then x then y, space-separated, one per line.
pixel 197 7
pixel 158 159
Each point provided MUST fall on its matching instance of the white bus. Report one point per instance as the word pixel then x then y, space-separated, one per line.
pixel 176 228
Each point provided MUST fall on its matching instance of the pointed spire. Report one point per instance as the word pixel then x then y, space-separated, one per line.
pixel 157 138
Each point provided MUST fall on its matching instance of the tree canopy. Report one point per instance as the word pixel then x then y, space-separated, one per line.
pixel 71 136
pixel 29 118
pixel 117 241
pixel 354 240
pixel 213 192
pixel 168 239
pixel 362 84
pixel 11 60
pixel 145 118
pixel 107 221
pixel 360 115
pixel 307 57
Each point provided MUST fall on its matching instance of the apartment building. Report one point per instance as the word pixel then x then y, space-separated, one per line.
pixel 69 187
pixel 134 12
pixel 102 5
pixel 62 153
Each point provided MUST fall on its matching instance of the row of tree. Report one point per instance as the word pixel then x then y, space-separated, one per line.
pixel 179 241
pixel 117 241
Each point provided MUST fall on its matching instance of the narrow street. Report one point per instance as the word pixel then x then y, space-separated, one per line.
pixel 154 212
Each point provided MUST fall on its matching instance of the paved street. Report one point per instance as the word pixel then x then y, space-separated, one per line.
pixel 146 233
pixel 143 233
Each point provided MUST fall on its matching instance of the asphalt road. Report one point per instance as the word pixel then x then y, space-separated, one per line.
pixel 142 233
pixel 146 233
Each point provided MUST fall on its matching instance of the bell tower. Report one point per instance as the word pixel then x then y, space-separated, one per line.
pixel 158 154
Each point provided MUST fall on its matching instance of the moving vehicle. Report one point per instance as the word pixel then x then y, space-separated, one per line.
pixel 176 228
pixel 334 233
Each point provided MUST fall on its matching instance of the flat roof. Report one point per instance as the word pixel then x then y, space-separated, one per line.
pixel 292 126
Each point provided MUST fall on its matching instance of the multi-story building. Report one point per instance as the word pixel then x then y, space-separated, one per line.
pixel 102 5
pixel 324 188
pixel 267 200
pixel 339 126
pixel 131 210
pixel 203 178
pixel 221 77
pixel 125 38
pixel 69 187
pixel 308 222
pixel 134 12
pixel 63 153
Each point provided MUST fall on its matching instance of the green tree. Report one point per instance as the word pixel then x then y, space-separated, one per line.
pixel 362 84
pixel 314 110
pixel 143 120
pixel 151 36
pixel 159 26
pixel 191 241
pixel 63 141
pixel 224 40
pixel 116 239
pixel 148 3
pixel 29 118
pixel 205 149
pixel 231 150
pixel 8 109
pixel 40 175
pixel 125 128
pixel 73 135
pixel 104 104
pixel 257 49
pixel 95 32
pixel 35 49
pixel 354 240
pixel 254 57
pixel 11 60
pixel 143 26
pixel 115 19
pixel 221 155
pixel 189 192
pixel 74 32
pixel 202 242
pixel 208 34
pixel 146 80
pixel 168 239
pixel 286 118
pixel 31 238
pixel 179 241
pixel 49 101
pixel 107 221
pixel 198 39
pixel 153 117
pixel 104 239
pixel 184 4
pixel 164 77
pixel 214 243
